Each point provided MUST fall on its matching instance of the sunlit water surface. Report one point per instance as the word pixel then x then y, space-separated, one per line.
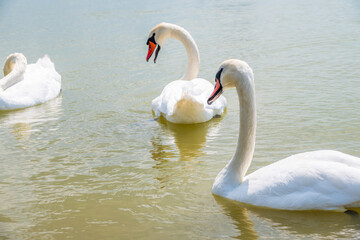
pixel 94 164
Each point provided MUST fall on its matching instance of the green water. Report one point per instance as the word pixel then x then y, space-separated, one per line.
pixel 93 163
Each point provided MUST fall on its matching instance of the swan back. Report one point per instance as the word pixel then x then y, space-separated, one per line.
pixel 324 179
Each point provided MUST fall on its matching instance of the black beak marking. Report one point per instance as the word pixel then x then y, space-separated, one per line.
pixel 156 53
pixel 152 39
pixel 218 89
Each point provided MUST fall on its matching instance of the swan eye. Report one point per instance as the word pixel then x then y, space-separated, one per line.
pixel 151 39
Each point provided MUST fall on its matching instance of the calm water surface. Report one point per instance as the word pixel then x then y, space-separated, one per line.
pixel 94 164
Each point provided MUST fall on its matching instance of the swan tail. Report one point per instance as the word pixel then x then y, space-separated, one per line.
pixel 49 68
pixel 46 62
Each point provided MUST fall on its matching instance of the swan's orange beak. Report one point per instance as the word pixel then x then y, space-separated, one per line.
pixel 152 47
pixel 218 89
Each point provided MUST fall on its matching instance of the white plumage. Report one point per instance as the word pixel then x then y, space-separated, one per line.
pixel 184 100
pixel 28 85
pixel 324 180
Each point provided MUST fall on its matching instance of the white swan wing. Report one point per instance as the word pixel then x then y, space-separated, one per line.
pixel 183 101
pixel 165 102
pixel 201 90
pixel 324 180
pixel 40 83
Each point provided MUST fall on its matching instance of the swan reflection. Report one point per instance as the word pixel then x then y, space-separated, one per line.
pixel 24 121
pixel 305 223
pixel 189 139
pixel 186 143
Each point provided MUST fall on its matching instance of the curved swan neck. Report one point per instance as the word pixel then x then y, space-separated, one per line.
pixel 14 69
pixel 242 158
pixel 184 36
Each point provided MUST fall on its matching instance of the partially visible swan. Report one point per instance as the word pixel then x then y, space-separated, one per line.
pixel 27 85
pixel 184 100
pixel 325 180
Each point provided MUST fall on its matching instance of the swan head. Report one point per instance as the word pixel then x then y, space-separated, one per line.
pixel 231 73
pixel 12 60
pixel 8 66
pixel 157 37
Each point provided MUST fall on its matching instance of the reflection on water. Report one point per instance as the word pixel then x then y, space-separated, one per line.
pixel 24 121
pixel 189 139
pixel 21 130
pixel 241 217
pixel 22 124
pixel 302 223
pixel 185 142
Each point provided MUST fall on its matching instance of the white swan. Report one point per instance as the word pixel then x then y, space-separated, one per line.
pixel 184 100
pixel 27 85
pixel 325 180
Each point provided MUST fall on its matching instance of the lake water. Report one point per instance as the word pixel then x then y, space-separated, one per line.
pixel 94 164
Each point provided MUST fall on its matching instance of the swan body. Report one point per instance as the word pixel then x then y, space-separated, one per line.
pixel 183 100
pixel 25 85
pixel 323 180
